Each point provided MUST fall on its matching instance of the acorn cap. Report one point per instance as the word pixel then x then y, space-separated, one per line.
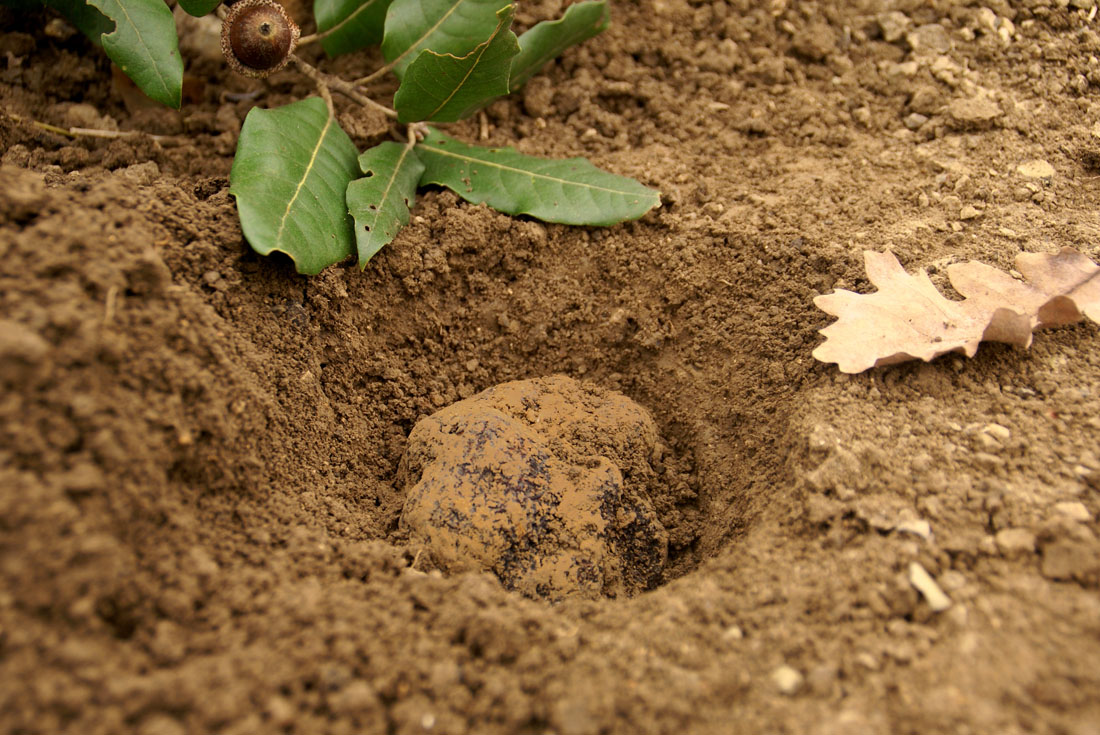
pixel 258 37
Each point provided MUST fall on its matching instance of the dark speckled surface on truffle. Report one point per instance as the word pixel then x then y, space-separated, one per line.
pixel 540 482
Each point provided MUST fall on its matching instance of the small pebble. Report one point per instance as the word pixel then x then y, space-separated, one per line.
pixel 141 174
pixel 987 20
pixel 868 660
pixel 1037 169
pixel 917 527
pixel 1066 559
pixel 922 581
pixel 915 120
pixel 987 443
pixel 929 39
pixel 1074 510
pixel 787 680
pixel 1015 541
pixel 893 25
pixel 973 112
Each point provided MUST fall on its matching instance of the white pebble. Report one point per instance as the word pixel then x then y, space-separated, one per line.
pixel 788 680
pixel 917 527
pixel 1074 510
pixel 923 582
pixel 1037 169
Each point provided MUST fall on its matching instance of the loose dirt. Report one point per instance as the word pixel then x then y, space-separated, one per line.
pixel 200 449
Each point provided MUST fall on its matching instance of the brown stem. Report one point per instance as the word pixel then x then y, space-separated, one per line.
pixel 327 81
pixel 318 78
pixel 89 132
pixel 364 81
pixel 416 131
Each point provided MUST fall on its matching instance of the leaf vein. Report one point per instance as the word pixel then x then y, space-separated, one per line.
pixel 465 79
pixel 390 183
pixel 302 180
pixel 512 169
pixel 426 34
pixel 141 39
pixel 336 28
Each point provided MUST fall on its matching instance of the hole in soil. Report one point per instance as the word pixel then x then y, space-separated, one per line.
pixel 563 489
pixel 654 481
pixel 648 500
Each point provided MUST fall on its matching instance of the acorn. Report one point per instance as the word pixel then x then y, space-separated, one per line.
pixel 258 37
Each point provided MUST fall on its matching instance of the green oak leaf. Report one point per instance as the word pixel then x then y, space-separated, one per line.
pixel 445 26
pixel 349 25
pixel 570 191
pixel 145 46
pixel 549 39
pixel 199 8
pixel 139 36
pixel 380 201
pixel 290 175
pixel 445 88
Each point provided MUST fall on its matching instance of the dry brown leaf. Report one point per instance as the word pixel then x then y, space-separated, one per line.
pixel 1068 274
pixel 909 319
pixel 1064 287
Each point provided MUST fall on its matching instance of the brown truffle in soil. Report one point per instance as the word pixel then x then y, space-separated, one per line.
pixel 543 482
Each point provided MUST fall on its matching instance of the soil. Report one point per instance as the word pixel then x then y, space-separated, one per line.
pixel 200 449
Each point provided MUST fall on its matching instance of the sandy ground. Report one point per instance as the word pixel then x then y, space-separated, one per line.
pixel 200 449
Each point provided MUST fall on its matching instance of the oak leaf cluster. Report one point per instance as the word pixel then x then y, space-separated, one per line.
pixel 909 319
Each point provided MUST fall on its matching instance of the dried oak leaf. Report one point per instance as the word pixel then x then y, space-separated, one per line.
pixel 908 319
pixel 1070 277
